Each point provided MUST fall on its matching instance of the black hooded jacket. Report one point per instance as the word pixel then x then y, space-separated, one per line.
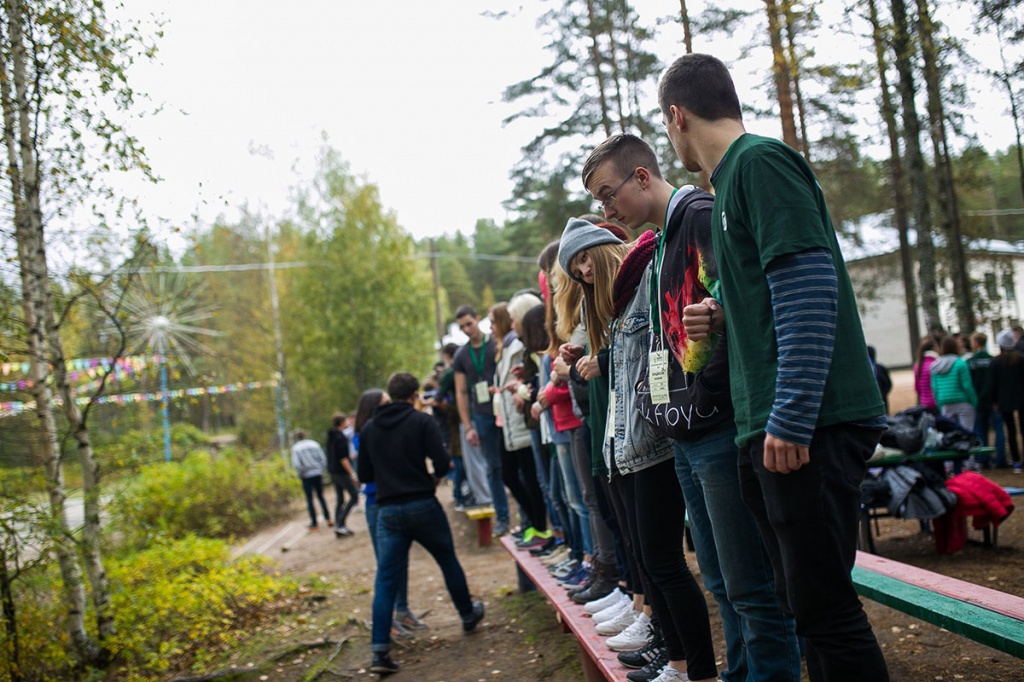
pixel 394 448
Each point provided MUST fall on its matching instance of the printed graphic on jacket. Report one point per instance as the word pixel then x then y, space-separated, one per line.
pixel 697 284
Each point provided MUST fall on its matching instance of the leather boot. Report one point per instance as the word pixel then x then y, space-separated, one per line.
pixel 603 584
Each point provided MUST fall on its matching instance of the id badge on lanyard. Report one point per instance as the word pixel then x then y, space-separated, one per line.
pixel 657 376
pixel 483 394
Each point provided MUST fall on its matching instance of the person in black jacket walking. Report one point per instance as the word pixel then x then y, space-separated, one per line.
pixel 393 449
pixel 342 474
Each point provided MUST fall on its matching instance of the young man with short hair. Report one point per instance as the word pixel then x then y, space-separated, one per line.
pixel 343 476
pixel 394 447
pixel 806 425
pixel 474 366
pixel 622 172
pixel 309 462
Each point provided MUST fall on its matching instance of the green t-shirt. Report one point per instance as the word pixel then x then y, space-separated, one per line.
pixel 768 204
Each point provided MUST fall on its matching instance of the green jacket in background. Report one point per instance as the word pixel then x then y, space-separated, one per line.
pixel 951 382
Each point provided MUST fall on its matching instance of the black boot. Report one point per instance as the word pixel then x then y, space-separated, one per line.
pixel 602 585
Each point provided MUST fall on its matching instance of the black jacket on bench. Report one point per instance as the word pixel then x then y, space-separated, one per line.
pixel 394 448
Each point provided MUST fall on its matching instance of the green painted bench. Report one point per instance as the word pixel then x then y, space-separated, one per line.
pixel 993 618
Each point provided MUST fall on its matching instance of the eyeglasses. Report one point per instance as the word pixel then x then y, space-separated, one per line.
pixel 609 201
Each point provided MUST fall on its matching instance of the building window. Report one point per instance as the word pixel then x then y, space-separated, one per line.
pixel 1009 288
pixel 991 289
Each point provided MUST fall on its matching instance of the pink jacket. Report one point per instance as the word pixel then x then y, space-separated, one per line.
pixel 923 380
pixel 561 407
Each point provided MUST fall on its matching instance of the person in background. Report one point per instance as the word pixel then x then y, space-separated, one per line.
pixel 881 376
pixel 309 462
pixel 926 357
pixel 404 621
pixel 952 386
pixel 1008 391
pixel 979 362
pixel 343 476
pixel 395 446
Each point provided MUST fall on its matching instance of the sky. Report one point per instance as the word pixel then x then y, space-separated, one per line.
pixel 409 93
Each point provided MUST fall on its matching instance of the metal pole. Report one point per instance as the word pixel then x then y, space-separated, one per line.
pixel 165 400
pixel 437 300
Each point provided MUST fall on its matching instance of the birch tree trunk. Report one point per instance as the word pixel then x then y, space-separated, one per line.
pixel 915 168
pixel 37 308
pixel 899 197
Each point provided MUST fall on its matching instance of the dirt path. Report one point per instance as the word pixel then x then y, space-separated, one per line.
pixel 520 640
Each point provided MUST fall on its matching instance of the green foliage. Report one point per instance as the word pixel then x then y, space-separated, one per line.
pixel 135 449
pixel 214 495
pixel 176 604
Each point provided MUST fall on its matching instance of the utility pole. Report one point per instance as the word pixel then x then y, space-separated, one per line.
pixel 437 299
pixel 282 384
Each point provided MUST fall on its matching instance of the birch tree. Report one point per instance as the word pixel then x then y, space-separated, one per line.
pixel 60 63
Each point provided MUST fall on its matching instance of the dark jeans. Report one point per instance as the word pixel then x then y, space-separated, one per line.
pixel 402 595
pixel 398 525
pixel 809 521
pixel 343 484
pixel 1012 420
pixel 519 474
pixel 983 421
pixel 657 502
pixel 490 445
pixel 311 485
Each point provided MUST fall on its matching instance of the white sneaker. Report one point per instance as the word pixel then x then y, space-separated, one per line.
pixel 618 623
pixel 613 597
pixel 634 637
pixel 670 674
pixel 612 611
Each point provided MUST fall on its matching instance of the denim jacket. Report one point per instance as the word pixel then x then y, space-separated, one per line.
pixel 637 445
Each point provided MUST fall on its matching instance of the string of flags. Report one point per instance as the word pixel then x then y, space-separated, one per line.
pixel 133 363
pixel 11 409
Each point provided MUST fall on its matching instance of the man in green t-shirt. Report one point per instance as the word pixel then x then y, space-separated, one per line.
pixel 806 424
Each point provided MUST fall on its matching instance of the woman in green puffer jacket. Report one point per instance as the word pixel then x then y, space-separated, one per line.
pixel 951 383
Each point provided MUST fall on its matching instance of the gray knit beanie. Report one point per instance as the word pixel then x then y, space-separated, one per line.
pixel 579 235
pixel 1005 339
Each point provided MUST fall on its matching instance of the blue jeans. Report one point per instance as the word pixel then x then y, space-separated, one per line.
pixel 571 523
pixel 541 464
pixel 760 640
pixel 574 495
pixel 458 477
pixel 402 595
pixel 398 525
pixel 809 521
pixel 490 444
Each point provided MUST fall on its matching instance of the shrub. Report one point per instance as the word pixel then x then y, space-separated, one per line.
pixel 212 495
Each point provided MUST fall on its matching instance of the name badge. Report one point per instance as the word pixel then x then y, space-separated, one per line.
pixel 482 394
pixel 657 376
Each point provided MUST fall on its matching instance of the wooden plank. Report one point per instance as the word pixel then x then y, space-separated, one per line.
pixel 570 613
pixel 984 597
pixel 969 620
pixel 477 513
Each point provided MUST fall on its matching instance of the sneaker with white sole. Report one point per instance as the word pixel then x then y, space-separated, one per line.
pixel 612 611
pixel 613 597
pixel 670 674
pixel 618 623
pixel 634 637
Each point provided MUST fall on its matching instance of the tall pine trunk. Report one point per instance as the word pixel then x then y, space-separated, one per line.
pixel 898 179
pixel 915 167
pixel 782 75
pixel 948 204
pixel 595 58
pixel 794 67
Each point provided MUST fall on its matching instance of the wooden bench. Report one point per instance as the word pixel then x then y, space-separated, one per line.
pixel 993 618
pixel 598 661
pixel 482 515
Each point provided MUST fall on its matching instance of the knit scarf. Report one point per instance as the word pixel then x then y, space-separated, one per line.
pixel 632 270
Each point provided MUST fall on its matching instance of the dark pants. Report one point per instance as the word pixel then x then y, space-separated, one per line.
pixel 311 485
pixel 519 474
pixel 1013 420
pixel 655 498
pixel 809 522
pixel 398 525
pixel 604 505
pixel 343 484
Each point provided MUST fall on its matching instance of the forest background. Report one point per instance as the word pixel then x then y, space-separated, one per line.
pixel 258 322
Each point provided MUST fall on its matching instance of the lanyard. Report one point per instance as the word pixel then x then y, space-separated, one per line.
pixel 656 278
pixel 479 362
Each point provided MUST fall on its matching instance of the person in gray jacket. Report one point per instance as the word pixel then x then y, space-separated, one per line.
pixel 309 462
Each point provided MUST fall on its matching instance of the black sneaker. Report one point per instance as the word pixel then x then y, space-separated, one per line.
pixel 651 670
pixel 644 655
pixel 469 624
pixel 383 664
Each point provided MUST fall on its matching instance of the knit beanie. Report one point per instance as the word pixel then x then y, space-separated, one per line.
pixel 578 236
pixel 1005 339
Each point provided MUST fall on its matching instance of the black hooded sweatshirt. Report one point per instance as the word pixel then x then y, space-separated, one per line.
pixel 394 448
